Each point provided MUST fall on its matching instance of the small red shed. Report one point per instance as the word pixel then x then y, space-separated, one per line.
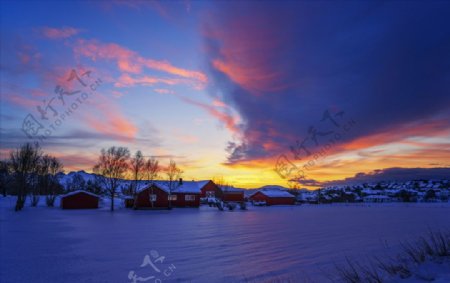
pixel 79 200
pixel 232 194
pixel 273 197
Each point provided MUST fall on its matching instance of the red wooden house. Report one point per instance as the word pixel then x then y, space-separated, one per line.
pixel 153 196
pixel 209 189
pixel 158 195
pixel 232 194
pixel 79 200
pixel 186 194
pixel 273 197
pixel 225 193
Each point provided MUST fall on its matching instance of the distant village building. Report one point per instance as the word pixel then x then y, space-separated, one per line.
pixel 273 197
pixel 79 200
pixel 377 198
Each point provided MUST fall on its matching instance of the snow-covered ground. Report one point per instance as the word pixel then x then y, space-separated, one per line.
pixel 263 244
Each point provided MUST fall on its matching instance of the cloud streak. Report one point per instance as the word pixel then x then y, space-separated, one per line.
pixel 59 33
pixel 131 62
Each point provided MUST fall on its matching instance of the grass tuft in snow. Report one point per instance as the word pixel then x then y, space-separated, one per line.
pixel 434 247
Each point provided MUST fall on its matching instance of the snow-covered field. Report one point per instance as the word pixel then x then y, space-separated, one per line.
pixel 263 244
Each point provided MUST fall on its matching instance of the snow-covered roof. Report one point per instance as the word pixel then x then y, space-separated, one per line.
pixel 79 191
pixel 231 189
pixel 377 197
pixel 203 183
pixel 274 193
pixel 192 187
pixel 189 187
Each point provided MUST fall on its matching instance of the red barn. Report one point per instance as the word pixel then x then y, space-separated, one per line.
pixel 187 194
pixel 273 197
pixel 79 200
pixel 225 193
pixel 209 189
pixel 232 194
pixel 184 194
pixel 152 196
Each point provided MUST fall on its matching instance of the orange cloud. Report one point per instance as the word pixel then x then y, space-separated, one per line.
pixel 168 68
pixel 75 162
pixel 426 128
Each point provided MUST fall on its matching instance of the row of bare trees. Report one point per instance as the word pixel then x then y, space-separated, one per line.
pixel 31 172
pixel 115 164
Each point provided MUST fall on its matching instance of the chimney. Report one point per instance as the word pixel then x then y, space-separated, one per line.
pixel 180 182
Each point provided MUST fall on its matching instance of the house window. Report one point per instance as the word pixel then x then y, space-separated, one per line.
pixel 189 198
pixel 152 197
pixel 172 197
pixel 210 194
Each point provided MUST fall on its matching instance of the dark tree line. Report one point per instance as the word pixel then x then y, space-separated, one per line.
pixel 30 173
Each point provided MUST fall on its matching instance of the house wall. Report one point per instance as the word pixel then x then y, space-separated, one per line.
pixel 79 201
pixel 211 187
pixel 234 196
pixel 181 200
pixel 281 201
pixel 272 200
pixel 258 197
pixel 143 198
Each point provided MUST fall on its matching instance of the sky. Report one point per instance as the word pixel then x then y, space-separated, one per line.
pixel 267 92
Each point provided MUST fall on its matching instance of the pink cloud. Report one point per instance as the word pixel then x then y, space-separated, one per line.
pixel 108 119
pixel 126 80
pixel 129 61
pixel 22 101
pixel 163 91
pixel 245 51
pixel 218 103
pixel 59 33
pixel 230 121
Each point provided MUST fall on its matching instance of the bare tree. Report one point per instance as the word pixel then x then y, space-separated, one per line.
pixel 49 171
pixel 137 166
pixel 221 183
pixel 173 174
pixel 151 171
pixel 111 168
pixel 294 187
pixel 77 183
pixel 5 176
pixel 94 186
pixel 24 164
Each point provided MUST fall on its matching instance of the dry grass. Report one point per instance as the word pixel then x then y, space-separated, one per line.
pixel 436 245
